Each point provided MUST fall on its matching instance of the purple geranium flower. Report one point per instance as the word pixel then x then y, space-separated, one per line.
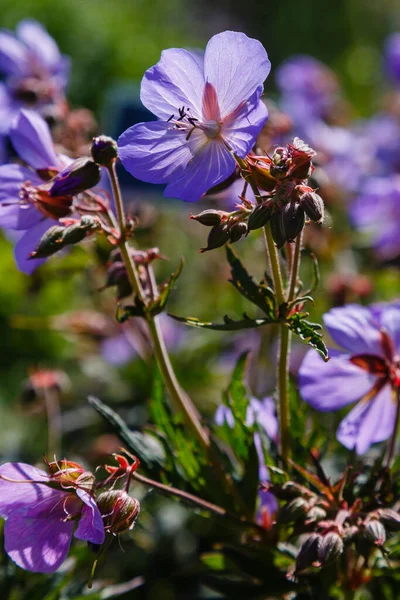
pixel 367 371
pixel 27 203
pixel 262 413
pixel 207 106
pixel 376 214
pixel 40 520
pixel 392 56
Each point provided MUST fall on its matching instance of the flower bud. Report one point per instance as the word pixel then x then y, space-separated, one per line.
pixel 78 231
pixel 49 243
pixel 375 532
pixel 104 150
pixel 293 220
pixel 349 534
pixel 308 553
pixel 119 510
pixel 79 176
pixel 313 206
pixel 260 169
pixel 260 215
pixel 293 511
pixel 217 237
pixel 237 231
pixel 389 518
pixel 330 548
pixel 316 513
pixel 277 229
pixel 209 217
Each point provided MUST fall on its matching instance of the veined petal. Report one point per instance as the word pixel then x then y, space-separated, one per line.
pixel 332 385
pixel 37 544
pixel 369 422
pixel 236 66
pixel 390 320
pixel 241 128
pixel 31 138
pixel 17 495
pixel 91 526
pixel 176 81
pixel 14 215
pixel 210 166
pixel 39 42
pixel 354 328
pixel 28 243
pixel 153 151
pixel 13 56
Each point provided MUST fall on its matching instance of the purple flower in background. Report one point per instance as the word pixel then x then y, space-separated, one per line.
pixel 262 413
pixel 367 371
pixel 376 214
pixel 308 88
pixel 26 201
pixel 40 520
pixel 206 106
pixel 392 56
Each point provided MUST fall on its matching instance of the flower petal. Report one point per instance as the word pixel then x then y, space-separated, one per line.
pixel 369 422
pixel 265 415
pixel 28 243
pixel 13 56
pixel 37 544
pixel 14 215
pixel 209 167
pixel 236 66
pixel 223 415
pixel 390 320
pixel 91 526
pixel 31 138
pixel 242 127
pixel 154 151
pixel 39 42
pixel 332 385
pixel 117 350
pixel 176 81
pixel 17 495
pixel 354 328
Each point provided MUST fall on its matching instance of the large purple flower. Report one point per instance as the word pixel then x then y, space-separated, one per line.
pixel 392 56
pixel 207 106
pixel 27 203
pixel 367 371
pixel 40 520
pixel 376 214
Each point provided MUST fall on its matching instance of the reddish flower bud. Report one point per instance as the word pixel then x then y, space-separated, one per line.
pixel 210 217
pixel 217 237
pixel 308 552
pixel 119 510
pixel 389 518
pixel 79 176
pixel 330 548
pixel 293 218
pixel 260 169
pixel 375 532
pixel 313 206
pixel 260 215
pixel 104 150
pixel 237 231
pixel 293 511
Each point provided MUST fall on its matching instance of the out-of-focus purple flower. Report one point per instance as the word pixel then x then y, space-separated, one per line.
pixel 367 371
pixel 376 214
pixel 206 106
pixel 40 520
pixel 392 57
pixel 27 203
pixel 308 87
pixel 132 340
pixel 263 413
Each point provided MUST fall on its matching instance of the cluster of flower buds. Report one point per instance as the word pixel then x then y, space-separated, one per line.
pixel 327 526
pixel 117 275
pixel 58 237
pixel 288 203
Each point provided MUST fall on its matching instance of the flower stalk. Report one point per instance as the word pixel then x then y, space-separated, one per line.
pixel 179 399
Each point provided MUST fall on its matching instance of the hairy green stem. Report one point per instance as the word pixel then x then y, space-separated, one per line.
pixel 180 400
pixel 294 273
pixel 274 264
pixel 283 392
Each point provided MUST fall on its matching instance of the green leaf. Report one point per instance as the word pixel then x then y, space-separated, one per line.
pixel 147 449
pixel 238 394
pixel 316 275
pixel 229 325
pixel 259 295
pixel 159 304
pixel 310 333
